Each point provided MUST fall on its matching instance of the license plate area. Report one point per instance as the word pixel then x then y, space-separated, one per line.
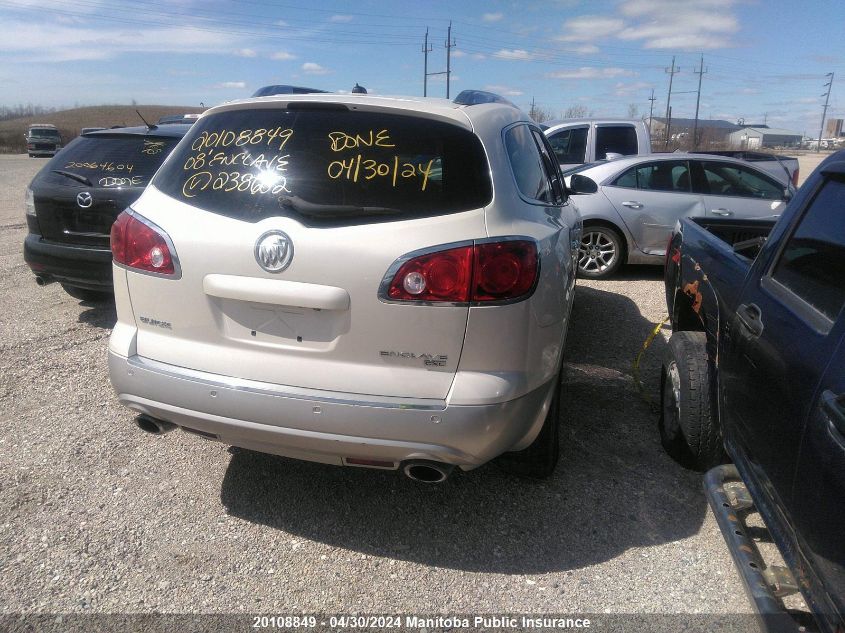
pixel 288 326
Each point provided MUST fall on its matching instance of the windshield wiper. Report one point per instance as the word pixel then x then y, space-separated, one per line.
pixel 334 210
pixel 72 176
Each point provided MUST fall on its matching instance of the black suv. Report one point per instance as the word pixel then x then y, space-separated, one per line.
pixel 74 199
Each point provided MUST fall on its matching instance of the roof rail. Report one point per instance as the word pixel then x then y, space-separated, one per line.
pixel 476 97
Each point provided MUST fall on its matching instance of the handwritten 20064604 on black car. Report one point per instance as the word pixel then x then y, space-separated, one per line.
pixel 756 369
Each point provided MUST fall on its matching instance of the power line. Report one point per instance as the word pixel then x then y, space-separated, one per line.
pixel 672 73
pixel 426 50
pixel 826 96
pixel 700 72
pixel 450 44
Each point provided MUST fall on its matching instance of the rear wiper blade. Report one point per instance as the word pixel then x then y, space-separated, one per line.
pixel 72 176
pixel 334 210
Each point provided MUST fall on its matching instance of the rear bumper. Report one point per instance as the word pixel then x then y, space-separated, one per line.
pixel 772 615
pixel 81 266
pixel 323 426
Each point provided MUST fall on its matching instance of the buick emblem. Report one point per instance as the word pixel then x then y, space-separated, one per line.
pixel 84 199
pixel 274 251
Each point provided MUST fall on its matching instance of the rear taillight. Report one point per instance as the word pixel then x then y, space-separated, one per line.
pixel 795 178
pixel 139 244
pixel 502 270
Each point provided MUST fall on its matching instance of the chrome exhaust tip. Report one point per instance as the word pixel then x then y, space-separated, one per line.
pixel 427 472
pixel 151 425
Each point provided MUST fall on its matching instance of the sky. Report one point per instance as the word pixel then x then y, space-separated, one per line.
pixel 764 60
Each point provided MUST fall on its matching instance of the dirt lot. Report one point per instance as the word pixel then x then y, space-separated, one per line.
pixel 99 517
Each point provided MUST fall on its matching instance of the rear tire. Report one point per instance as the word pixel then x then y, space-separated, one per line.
pixel 86 294
pixel 689 428
pixel 601 253
pixel 539 459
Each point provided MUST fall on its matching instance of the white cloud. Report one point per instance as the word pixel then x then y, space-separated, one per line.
pixel 665 24
pixel 479 56
pixel 340 19
pixel 44 42
pixel 514 54
pixel 240 85
pixel 458 53
pixel 492 17
pixel 283 56
pixel 310 68
pixel 584 49
pixel 281 23
pixel 245 52
pixel 504 90
pixel 589 72
pixel 627 89
pixel 588 28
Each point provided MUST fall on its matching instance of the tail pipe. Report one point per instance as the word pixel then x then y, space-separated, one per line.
pixel 153 425
pixel 427 472
pixel 43 280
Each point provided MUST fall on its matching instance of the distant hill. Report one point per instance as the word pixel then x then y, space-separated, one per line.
pixel 70 122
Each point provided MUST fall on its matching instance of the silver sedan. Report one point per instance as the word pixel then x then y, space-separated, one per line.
pixel 630 205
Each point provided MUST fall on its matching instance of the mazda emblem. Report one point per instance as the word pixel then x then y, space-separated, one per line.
pixel 274 251
pixel 84 199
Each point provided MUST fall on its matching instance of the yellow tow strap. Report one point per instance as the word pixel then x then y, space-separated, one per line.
pixel 635 366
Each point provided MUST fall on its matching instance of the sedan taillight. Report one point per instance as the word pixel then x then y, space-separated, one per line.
pixel 139 244
pixel 485 272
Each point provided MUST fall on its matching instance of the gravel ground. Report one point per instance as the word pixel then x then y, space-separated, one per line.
pixel 99 517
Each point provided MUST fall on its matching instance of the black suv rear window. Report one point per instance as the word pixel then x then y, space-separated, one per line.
pixel 111 161
pixel 327 165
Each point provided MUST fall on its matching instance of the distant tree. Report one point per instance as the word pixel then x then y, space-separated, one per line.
pixel 633 110
pixel 134 103
pixel 575 112
pixel 540 115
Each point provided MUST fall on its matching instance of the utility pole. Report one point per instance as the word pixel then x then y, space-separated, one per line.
pixel 450 44
pixel 700 72
pixel 532 110
pixel 652 98
pixel 671 72
pixel 829 86
pixel 426 50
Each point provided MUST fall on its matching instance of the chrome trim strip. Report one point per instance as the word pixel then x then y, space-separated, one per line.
pixel 84 234
pixel 283 391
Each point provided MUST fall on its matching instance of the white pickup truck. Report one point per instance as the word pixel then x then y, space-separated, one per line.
pixel 579 141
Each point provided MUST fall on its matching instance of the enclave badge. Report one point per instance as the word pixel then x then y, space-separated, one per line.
pixel 84 199
pixel 274 251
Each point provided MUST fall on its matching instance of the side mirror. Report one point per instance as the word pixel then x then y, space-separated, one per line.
pixel 787 194
pixel 580 184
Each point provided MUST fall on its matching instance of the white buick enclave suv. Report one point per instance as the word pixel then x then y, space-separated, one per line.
pixel 350 279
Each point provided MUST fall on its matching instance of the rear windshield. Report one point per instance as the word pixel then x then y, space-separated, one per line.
pixel 321 165
pixel 111 161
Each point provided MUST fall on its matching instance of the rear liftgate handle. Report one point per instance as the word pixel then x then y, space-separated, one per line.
pixel 750 316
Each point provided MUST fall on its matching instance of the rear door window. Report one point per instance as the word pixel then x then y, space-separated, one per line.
pixel 812 264
pixel 570 146
pixel 111 161
pixel 729 179
pixel 527 164
pixel 619 139
pixel 327 165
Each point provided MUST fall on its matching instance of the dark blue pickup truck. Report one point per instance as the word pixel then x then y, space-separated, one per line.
pixel 755 376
